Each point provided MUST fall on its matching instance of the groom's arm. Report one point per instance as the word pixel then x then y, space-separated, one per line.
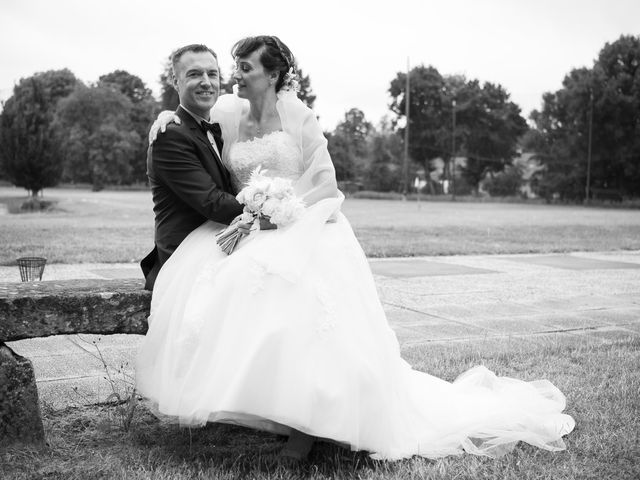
pixel 175 163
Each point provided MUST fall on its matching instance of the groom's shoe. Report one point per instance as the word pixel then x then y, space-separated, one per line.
pixel 298 446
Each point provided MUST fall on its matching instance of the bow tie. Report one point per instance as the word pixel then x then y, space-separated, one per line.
pixel 211 127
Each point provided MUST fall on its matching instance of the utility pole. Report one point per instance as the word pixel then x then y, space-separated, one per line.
pixel 588 185
pixel 405 166
pixel 452 164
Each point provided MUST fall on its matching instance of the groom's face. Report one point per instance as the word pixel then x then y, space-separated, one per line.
pixel 197 80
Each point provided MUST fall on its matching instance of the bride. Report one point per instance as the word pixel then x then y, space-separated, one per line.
pixel 287 333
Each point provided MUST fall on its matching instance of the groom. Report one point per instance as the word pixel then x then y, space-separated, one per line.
pixel 188 182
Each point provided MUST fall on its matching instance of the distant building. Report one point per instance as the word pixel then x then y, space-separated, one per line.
pixel 529 165
pixel 439 174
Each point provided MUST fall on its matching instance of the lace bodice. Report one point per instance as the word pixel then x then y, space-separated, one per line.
pixel 276 152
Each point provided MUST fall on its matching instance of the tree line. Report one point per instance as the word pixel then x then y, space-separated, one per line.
pixel 464 135
pixel 55 128
pixel 449 117
pixel 587 134
pixel 583 143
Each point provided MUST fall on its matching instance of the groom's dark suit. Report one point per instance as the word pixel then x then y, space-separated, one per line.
pixel 189 185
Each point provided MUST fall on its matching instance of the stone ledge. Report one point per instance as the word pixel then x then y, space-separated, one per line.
pixel 42 309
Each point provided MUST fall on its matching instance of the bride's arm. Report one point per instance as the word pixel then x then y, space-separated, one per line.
pixel 319 178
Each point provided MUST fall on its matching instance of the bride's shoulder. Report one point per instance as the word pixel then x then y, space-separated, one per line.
pixel 227 104
pixel 293 111
pixel 289 98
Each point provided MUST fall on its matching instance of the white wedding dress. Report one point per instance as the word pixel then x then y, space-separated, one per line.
pixel 288 331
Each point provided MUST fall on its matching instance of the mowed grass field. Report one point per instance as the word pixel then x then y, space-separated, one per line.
pixel 117 226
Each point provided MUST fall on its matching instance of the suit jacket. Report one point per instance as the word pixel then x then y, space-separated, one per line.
pixel 189 185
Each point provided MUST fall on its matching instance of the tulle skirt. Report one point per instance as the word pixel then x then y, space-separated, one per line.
pixel 288 332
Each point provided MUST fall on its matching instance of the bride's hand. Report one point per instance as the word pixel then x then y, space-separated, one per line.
pixel 245 222
pixel 164 118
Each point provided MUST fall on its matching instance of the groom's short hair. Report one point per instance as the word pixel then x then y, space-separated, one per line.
pixel 194 47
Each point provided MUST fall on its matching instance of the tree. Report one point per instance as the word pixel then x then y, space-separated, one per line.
pixel 110 151
pixel 348 145
pixel 130 85
pixel 616 116
pixel 142 114
pixel 491 126
pixel 169 99
pixel 428 113
pixel 487 123
pixel 607 97
pixel 384 170
pixel 100 142
pixel 29 152
pixel 505 183
pixel 306 93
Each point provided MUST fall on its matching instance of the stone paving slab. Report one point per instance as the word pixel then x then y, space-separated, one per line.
pixel 572 338
pixel 75 391
pixel 421 268
pixel 633 327
pixel 571 262
pixel 579 303
pixel 72 365
pixel 566 321
pixel 612 333
pixel 509 310
pixel 58 271
pixel 59 346
pixel 424 333
pixel 633 298
pixel 613 315
pixel 508 326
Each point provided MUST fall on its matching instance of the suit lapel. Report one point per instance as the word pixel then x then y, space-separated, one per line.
pixel 223 170
pixel 202 137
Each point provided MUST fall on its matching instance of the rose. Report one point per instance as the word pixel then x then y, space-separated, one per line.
pixel 283 212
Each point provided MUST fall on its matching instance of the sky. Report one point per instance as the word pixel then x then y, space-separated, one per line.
pixel 351 49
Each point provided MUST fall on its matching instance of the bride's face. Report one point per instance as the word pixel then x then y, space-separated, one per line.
pixel 252 79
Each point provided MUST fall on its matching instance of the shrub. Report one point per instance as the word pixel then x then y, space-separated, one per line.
pixel 504 184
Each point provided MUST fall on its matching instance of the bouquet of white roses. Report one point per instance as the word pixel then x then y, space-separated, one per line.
pixel 270 200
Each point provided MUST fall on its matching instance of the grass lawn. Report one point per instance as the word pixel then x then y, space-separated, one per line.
pixel 117 226
pixel 600 378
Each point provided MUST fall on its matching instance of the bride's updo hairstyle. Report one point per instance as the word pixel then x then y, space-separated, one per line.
pixel 275 56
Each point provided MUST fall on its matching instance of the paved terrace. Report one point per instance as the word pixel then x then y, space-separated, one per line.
pixel 578 296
